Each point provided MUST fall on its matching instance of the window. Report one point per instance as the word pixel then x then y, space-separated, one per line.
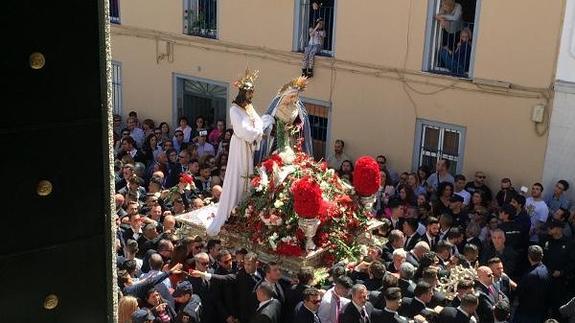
pixel 449 47
pixel 435 140
pixel 115 11
pixel 307 12
pixel 198 97
pixel 200 18
pixel 117 88
pixel 319 122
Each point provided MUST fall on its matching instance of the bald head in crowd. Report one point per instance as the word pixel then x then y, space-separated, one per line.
pixel 169 223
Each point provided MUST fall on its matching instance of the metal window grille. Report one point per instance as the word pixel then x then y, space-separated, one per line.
pixel 307 17
pixel 200 18
pixel 439 142
pixel 449 54
pixel 319 122
pixel 115 11
pixel 117 88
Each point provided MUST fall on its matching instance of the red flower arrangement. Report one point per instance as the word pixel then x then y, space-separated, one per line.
pixel 270 161
pixel 307 197
pixel 366 177
pixel 290 250
pixel 186 178
pixel 256 181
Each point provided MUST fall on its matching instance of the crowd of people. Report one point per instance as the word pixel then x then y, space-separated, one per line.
pixel 518 245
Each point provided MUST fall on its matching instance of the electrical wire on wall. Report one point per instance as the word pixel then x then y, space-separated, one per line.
pixel 407 77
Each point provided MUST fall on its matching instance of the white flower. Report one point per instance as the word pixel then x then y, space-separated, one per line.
pixel 272 240
pixel 330 172
pixel 287 155
pixel 278 204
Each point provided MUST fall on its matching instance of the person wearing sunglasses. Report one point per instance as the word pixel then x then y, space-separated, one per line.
pixel 306 310
pixel 478 185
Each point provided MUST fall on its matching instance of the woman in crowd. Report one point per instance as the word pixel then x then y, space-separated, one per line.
pixel 413 183
pixel 444 192
pixel 385 192
pixel 216 135
pixel 126 306
pixel 148 126
pixel 165 132
pixel 346 171
pixel 200 125
pixel 185 128
pixel 151 149
pixel 224 145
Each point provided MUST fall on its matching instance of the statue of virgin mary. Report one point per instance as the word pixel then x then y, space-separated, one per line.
pixel 285 121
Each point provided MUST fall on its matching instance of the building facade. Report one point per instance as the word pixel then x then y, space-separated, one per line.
pixel 380 83
pixel 560 154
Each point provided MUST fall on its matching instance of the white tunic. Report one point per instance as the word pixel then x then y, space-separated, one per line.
pixel 240 164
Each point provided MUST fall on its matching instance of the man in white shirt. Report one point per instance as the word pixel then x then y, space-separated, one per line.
pixel 334 161
pixel 459 189
pixel 537 210
pixel 441 174
pixel 135 132
pixel 203 147
pixel 334 300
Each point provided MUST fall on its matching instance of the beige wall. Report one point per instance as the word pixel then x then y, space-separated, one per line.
pixel 370 107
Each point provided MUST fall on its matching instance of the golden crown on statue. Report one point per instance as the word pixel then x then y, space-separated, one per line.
pixel 298 84
pixel 248 81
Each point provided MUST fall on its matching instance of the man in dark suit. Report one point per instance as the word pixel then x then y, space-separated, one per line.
pixel 535 282
pixel 461 314
pixel 502 311
pixel 295 294
pixel 396 240
pixel 406 273
pixel 129 148
pixel 273 275
pixel 414 256
pixel 202 286
pixel 409 229
pixel 389 314
pixel 464 287
pixel 306 310
pixel 188 306
pixel 247 279
pixel 431 235
pixel 223 295
pixel 486 293
pixel 411 307
pixel 269 308
pixel 499 248
pixel 359 309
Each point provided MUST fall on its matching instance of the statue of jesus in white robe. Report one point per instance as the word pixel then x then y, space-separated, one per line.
pixel 248 130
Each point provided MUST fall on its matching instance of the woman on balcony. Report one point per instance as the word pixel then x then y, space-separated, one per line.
pixel 457 61
pixel 314 46
pixel 450 20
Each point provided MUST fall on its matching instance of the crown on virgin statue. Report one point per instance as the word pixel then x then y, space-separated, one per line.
pixel 294 86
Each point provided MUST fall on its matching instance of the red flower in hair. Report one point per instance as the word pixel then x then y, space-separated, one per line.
pixel 366 177
pixel 307 197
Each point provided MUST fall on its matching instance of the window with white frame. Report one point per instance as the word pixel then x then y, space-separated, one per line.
pixel 307 13
pixel 115 11
pixel 117 88
pixel 437 140
pixel 450 40
pixel 200 18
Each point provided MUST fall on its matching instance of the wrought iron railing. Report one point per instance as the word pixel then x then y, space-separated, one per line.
pixel 200 18
pixel 308 14
pixel 451 52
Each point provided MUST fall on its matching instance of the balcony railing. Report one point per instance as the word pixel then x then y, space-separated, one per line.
pixel 200 18
pixel 451 52
pixel 307 16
